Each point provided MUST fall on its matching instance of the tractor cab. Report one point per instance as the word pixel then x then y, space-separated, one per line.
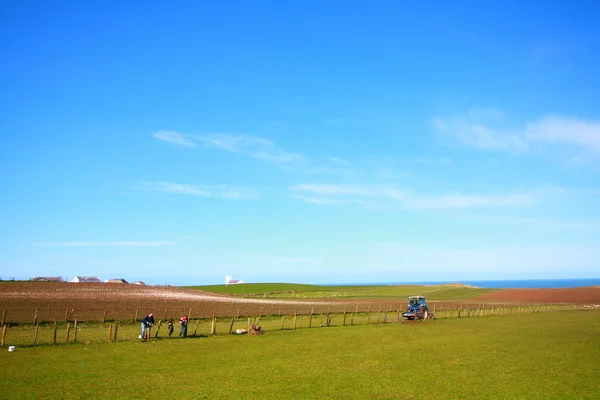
pixel 416 302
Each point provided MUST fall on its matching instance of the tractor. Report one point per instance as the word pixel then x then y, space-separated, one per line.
pixel 417 309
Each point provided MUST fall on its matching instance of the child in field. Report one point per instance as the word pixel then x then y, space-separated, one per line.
pixel 170 326
pixel 183 321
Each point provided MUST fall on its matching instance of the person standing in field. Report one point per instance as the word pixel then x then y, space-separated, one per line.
pixel 183 322
pixel 147 322
pixel 170 326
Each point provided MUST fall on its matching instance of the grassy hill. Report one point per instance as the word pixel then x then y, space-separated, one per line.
pixel 295 291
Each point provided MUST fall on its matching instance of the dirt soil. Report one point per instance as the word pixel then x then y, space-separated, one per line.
pixel 96 301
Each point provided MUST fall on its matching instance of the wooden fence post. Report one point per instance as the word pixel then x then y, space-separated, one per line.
pixel 110 332
pixel 67 315
pixel 35 317
pixel 54 335
pixel 4 327
pixel 165 314
pixel 213 326
pixel 282 319
pixel 189 315
pixel 75 331
pixel 238 313
pixel 368 314
pixel 68 332
pixel 295 316
pixel 231 325
pixel 196 328
pixel 37 328
pixel 344 323
pixel 158 328
pixel 3 317
pixel 104 317
pixel 260 312
pixel 116 331
pixel 248 325
pixel 312 310
pixel 137 311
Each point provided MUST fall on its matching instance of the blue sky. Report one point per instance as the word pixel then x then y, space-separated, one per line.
pixel 315 142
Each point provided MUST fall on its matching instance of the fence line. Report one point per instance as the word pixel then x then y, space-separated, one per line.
pixel 113 314
pixel 43 333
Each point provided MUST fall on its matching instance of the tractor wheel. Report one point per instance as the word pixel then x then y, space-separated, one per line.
pixel 431 316
pixel 424 313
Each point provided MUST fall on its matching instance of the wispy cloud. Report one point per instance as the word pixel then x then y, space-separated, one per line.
pixel 220 191
pixel 563 130
pixel 93 243
pixel 486 130
pixel 251 146
pixel 175 138
pixel 385 196
pixel 337 160
pixel 551 223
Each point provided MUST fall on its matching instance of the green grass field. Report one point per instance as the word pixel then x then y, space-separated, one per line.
pixel 295 291
pixel 529 356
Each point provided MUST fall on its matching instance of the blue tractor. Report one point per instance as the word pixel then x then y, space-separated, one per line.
pixel 417 309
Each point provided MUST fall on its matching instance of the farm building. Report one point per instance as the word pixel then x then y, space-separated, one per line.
pixel 47 279
pixel 139 283
pixel 120 280
pixel 86 279
pixel 229 281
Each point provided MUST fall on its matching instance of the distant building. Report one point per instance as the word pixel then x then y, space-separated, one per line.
pixel 229 281
pixel 87 279
pixel 139 283
pixel 120 280
pixel 47 279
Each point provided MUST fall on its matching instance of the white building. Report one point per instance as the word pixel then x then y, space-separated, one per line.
pixel 86 279
pixel 229 281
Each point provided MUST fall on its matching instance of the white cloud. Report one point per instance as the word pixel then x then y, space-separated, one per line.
pixel 174 137
pixel 251 146
pixel 561 130
pixel 551 223
pixel 337 160
pixel 221 191
pixel 485 130
pixel 384 196
pixel 91 243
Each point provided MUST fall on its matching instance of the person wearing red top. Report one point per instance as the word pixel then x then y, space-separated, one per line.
pixel 183 321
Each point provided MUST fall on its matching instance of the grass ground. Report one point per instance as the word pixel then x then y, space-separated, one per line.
pixel 293 291
pixel 532 356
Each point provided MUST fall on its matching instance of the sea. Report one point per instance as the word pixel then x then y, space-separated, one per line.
pixel 497 284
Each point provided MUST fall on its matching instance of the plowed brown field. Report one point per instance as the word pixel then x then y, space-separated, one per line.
pixel 22 301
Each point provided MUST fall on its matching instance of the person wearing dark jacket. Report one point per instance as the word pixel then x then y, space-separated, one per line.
pixel 147 322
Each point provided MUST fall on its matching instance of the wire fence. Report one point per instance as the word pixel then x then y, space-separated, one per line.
pixel 79 331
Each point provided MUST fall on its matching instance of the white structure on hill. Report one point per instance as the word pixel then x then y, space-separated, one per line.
pixel 86 279
pixel 229 281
